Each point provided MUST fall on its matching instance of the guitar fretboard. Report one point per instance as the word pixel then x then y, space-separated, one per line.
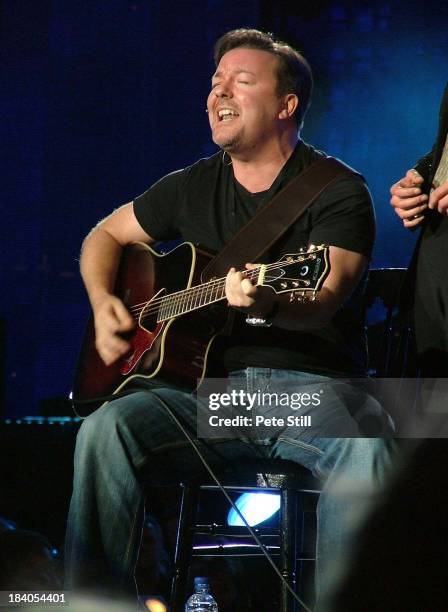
pixel 191 299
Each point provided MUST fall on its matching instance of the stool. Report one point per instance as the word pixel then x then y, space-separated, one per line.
pixel 297 489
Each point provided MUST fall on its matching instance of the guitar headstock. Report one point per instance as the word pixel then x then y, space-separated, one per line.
pixel 302 274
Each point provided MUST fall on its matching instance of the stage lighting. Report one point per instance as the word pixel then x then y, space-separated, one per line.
pixel 155 605
pixel 255 507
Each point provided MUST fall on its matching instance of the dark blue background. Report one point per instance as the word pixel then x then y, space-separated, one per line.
pixel 98 99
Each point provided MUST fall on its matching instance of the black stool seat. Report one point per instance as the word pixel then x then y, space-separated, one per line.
pixel 270 473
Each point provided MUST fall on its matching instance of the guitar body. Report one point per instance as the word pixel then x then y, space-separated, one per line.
pixel 175 350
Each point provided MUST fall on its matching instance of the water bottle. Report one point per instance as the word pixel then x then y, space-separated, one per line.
pixel 201 600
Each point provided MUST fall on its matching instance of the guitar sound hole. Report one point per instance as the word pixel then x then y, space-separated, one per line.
pixel 149 319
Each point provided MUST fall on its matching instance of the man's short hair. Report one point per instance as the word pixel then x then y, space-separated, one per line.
pixel 293 73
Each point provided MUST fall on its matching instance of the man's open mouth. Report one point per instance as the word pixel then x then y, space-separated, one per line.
pixel 227 114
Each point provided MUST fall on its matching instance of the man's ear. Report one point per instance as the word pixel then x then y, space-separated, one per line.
pixel 290 102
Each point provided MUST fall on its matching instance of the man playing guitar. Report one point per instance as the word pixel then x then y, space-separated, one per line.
pixel 259 94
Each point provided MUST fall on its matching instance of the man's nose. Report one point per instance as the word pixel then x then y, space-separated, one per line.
pixel 223 90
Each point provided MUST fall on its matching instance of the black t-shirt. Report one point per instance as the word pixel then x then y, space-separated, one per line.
pixel 205 205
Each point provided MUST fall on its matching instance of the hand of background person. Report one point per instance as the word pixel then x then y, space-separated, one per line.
pixel 407 199
pixel 438 199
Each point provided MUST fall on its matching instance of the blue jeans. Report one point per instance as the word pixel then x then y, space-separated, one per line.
pixel 133 441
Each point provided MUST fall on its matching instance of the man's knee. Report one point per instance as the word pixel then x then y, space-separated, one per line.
pixel 360 449
pixel 359 455
pixel 103 424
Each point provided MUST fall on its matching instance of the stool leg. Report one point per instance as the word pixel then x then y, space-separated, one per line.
pixel 288 552
pixel 306 546
pixel 184 546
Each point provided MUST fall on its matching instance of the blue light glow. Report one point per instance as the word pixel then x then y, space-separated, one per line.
pixel 255 507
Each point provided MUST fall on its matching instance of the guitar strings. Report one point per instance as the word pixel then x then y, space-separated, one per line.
pixel 211 285
pixel 174 300
pixel 178 296
pixel 173 310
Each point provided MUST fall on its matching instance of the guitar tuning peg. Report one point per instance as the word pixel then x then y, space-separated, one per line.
pixel 301 297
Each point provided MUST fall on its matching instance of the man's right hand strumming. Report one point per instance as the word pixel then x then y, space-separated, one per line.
pixel 100 258
pixel 112 321
pixel 407 199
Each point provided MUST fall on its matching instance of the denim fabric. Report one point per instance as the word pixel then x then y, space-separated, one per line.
pixel 134 441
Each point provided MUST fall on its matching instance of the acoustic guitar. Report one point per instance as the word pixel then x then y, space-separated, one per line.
pixel 177 317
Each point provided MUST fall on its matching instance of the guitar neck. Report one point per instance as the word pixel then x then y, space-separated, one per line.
pixel 188 300
pixel 299 274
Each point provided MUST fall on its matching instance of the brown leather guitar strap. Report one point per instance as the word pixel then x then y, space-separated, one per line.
pixel 272 220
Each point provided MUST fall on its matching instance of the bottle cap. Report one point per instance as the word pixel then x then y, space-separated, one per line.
pixel 200 580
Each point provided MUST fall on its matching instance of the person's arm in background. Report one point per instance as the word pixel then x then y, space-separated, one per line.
pixel 409 199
